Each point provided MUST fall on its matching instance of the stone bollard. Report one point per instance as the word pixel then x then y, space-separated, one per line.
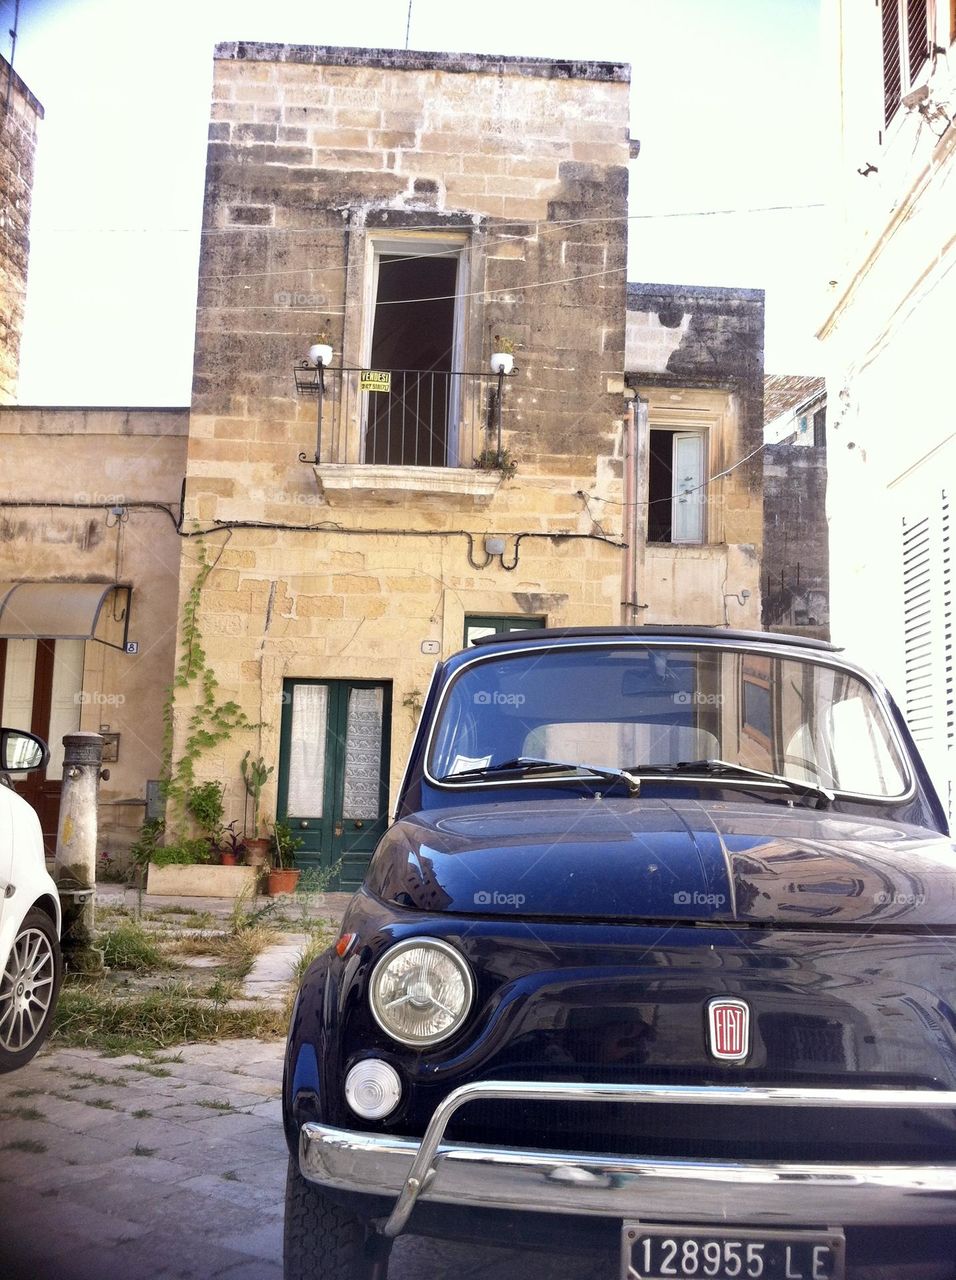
pixel 75 867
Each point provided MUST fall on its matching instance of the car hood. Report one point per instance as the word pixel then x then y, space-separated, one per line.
pixel 630 859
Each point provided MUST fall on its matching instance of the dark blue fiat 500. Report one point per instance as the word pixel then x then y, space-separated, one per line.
pixel 657 960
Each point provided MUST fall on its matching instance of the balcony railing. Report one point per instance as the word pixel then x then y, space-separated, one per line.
pixel 403 417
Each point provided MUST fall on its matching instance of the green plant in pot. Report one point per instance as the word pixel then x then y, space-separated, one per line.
pixel 255 774
pixel 232 847
pixel 284 874
pixel 204 804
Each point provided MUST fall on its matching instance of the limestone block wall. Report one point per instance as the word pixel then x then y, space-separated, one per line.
pixel 314 153
pixel 20 113
pixel 796 552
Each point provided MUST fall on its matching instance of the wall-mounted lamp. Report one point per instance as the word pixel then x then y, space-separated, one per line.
pixel 319 358
pixel 320 354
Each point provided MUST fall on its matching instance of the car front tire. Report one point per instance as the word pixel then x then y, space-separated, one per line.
pixel 29 985
pixel 321 1240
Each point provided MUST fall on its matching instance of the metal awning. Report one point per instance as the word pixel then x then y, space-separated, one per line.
pixel 59 610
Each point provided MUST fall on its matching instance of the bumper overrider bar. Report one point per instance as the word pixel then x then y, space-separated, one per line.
pixel 766 1193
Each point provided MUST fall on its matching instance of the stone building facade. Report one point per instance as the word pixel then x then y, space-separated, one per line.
pixel 333 530
pixel 415 206
pixel 888 350
pixel 20 114
pixel 89 560
pixel 695 362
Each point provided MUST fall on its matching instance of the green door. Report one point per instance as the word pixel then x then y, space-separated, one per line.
pixel 333 773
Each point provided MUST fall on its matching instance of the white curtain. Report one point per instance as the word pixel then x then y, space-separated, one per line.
pixel 310 703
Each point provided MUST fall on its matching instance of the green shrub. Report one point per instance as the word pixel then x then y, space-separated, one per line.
pixel 204 803
pixel 183 852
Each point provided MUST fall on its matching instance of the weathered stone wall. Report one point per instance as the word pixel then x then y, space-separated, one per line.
pixel 312 152
pixel 796 561
pixel 18 136
pixel 695 354
pixel 78 463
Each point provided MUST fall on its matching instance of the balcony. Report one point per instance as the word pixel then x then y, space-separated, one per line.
pixel 383 434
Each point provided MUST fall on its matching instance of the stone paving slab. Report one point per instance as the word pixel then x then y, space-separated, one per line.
pixel 271 973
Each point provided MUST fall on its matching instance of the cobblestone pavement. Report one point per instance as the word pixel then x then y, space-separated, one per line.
pixel 173 1169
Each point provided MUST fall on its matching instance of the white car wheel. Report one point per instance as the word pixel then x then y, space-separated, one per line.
pixel 28 990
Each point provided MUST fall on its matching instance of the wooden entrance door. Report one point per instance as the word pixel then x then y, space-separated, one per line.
pixel 333 772
pixel 41 685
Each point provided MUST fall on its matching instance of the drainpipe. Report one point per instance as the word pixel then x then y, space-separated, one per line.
pixel 75 867
pixel 633 524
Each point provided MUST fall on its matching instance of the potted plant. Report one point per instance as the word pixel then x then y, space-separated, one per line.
pixel 231 845
pixel 503 354
pixel 255 773
pixel 283 875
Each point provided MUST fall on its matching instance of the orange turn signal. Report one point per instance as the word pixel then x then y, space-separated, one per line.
pixel 344 944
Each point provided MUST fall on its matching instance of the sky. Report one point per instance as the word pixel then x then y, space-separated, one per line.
pixel 728 102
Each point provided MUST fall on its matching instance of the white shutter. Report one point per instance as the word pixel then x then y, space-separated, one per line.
pixel 929 702
pixel 687 521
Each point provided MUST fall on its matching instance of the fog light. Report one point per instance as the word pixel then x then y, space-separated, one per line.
pixel 373 1089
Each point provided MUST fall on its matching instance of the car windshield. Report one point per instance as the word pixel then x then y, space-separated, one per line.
pixel 641 707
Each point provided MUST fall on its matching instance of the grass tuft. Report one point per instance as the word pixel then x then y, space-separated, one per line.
pixel 26 1144
pixel 23 1113
pixel 86 1017
pixel 97 1079
pixel 140 1150
pixel 129 946
pixel 216 1104
pixel 223 989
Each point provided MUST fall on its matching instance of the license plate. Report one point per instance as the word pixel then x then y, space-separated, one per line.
pixel 652 1251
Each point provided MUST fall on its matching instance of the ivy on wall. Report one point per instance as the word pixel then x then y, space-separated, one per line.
pixel 211 721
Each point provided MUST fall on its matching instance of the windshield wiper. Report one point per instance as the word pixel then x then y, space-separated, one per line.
pixel 811 790
pixel 525 766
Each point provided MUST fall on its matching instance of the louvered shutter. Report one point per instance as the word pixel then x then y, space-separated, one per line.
pixel 917 35
pixel 892 67
pixel 928 627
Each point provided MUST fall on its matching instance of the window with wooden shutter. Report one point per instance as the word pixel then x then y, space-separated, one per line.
pixel 676 486
pixel 917 36
pixel 892 68
pixel 906 45
pixel 929 621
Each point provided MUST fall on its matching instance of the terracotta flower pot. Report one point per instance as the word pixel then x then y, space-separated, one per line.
pixel 257 852
pixel 227 858
pixel 283 880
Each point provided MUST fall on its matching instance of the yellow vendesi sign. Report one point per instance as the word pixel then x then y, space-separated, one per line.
pixel 373 380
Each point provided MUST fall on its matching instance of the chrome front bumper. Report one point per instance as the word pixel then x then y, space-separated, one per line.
pixel 761 1193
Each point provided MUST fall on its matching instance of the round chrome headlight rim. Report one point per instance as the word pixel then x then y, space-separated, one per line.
pixel 453 954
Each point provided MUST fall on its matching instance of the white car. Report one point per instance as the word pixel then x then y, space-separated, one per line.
pixel 31 966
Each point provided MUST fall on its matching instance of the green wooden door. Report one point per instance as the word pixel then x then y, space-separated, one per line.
pixel 333 773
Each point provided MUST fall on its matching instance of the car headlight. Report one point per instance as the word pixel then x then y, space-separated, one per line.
pixel 421 991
